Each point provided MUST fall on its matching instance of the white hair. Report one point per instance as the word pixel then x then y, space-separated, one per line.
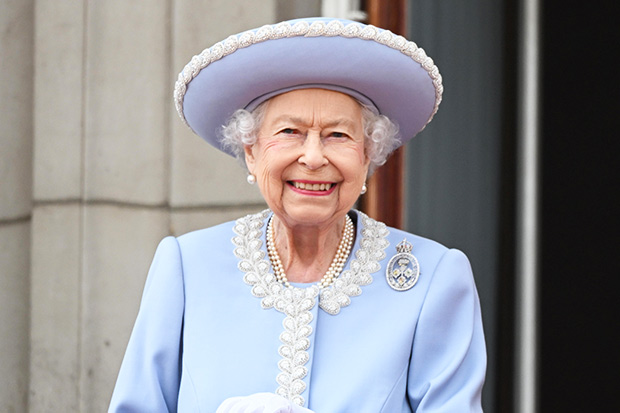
pixel 380 134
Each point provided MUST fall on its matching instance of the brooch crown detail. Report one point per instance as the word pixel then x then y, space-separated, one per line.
pixel 404 247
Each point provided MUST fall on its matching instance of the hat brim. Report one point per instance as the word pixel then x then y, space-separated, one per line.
pixel 378 68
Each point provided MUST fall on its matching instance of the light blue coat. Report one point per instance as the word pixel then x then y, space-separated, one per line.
pixel 214 323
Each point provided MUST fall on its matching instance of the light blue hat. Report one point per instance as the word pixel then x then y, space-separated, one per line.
pixel 382 70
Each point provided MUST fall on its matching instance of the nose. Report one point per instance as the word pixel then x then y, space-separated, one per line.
pixel 313 155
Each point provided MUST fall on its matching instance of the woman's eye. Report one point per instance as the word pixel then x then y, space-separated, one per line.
pixel 338 135
pixel 289 131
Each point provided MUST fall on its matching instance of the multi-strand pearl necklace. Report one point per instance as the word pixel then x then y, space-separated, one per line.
pixel 342 254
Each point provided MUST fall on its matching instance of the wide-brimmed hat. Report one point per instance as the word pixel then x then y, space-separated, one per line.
pixel 385 71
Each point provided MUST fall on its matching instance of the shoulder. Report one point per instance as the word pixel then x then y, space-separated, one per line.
pixel 419 243
pixel 218 236
pixel 201 235
pixel 437 262
pixel 431 251
pixel 215 246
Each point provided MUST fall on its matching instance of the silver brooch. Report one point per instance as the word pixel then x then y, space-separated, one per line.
pixel 403 270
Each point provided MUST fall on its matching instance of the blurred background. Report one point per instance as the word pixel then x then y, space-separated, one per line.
pixel 516 170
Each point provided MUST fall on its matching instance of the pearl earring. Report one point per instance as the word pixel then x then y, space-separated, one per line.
pixel 364 189
pixel 251 179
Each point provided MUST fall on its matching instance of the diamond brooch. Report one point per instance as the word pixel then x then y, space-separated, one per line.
pixel 403 270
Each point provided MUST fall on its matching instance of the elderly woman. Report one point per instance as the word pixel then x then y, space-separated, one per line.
pixel 310 305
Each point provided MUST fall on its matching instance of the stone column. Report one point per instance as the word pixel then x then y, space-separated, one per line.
pixel 115 171
pixel 16 68
pixel 56 228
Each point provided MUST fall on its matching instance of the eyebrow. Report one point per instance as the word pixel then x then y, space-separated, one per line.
pixel 328 124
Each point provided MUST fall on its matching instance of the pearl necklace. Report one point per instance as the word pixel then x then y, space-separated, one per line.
pixel 342 254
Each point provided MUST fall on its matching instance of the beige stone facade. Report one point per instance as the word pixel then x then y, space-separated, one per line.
pixel 95 168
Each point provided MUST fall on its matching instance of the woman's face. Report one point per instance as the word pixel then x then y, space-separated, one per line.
pixel 309 157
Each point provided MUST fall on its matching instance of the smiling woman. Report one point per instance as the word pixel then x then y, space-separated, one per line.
pixel 310 137
pixel 310 305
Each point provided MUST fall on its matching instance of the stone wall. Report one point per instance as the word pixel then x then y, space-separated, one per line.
pixel 95 168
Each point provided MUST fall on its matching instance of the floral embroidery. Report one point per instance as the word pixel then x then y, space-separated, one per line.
pixel 372 250
pixel 295 302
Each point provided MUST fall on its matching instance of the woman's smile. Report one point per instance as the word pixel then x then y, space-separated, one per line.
pixel 312 188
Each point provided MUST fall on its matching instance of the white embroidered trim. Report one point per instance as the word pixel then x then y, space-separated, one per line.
pixel 296 303
pixel 303 28
pixel 373 245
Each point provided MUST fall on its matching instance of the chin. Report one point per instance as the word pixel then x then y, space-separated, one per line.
pixel 310 215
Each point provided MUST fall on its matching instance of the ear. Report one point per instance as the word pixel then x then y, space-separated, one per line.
pixel 366 164
pixel 250 161
pixel 367 161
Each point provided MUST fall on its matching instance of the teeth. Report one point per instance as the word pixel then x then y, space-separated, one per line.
pixel 312 187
